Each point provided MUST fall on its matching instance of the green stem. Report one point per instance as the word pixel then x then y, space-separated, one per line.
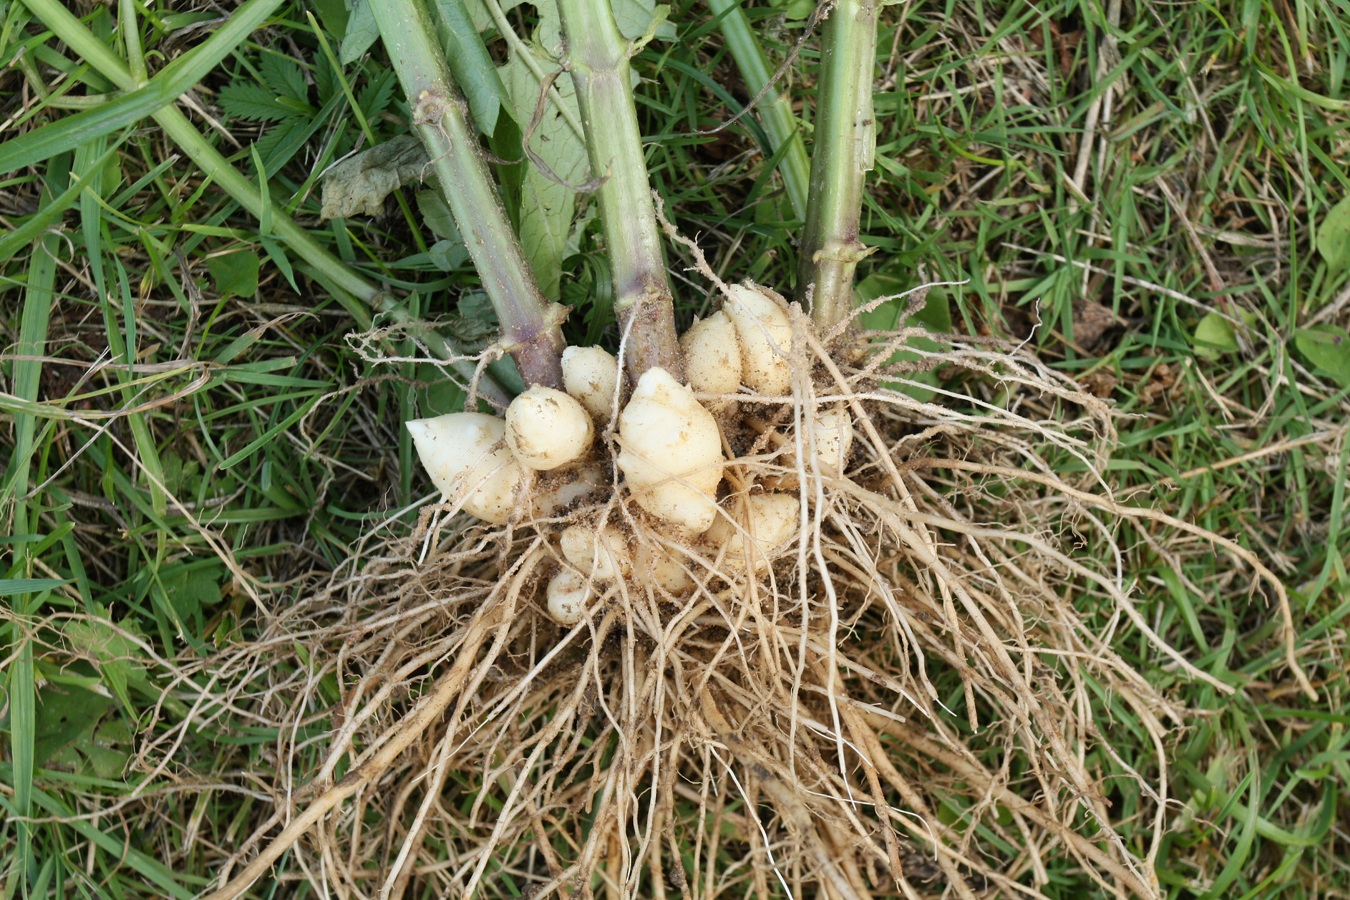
pixel 356 295
pixel 845 144
pixel 529 323
pixel 775 109
pixel 596 56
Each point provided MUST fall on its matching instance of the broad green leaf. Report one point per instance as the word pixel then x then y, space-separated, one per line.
pixel 120 659
pixel 548 32
pixel 887 315
pixel 547 200
pixel 636 17
pixel 1214 337
pixel 478 319
pixel 361 32
pixel 235 274
pixel 436 215
pixel 472 67
pixel 192 590
pixel 935 314
pixel 482 18
pixel 796 9
pixel 1328 349
pixel 1333 237
pixel 440 394
pixel 359 184
pixel 109 750
pixel 448 255
pixel 332 14
pixel 67 714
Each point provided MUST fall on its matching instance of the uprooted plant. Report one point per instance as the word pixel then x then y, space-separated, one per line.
pixel 739 610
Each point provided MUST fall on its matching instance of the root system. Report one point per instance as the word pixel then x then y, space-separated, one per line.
pixel 894 702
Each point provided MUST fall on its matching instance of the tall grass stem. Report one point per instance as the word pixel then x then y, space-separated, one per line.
pixel 845 145
pixel 530 324
pixel 596 56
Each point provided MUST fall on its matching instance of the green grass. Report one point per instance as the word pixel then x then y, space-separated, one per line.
pixel 190 440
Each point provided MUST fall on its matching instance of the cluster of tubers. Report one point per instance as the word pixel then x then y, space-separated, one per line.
pixel 670 453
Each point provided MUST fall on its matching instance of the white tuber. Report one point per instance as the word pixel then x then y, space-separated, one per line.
pixel 765 522
pixel 567 595
pixel 712 355
pixel 554 496
pixel 465 453
pixel 547 429
pixel 663 568
pixel 765 334
pixel 591 375
pixel 833 430
pixel 670 452
pixel 604 554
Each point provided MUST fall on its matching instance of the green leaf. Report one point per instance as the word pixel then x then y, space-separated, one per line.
pixel 473 69
pixel 477 320
pixel 1328 349
pixel 332 14
pixel 1333 237
pixel 253 103
pixel 326 78
pixel 448 255
pixel 361 32
pixel 235 274
pixel 108 752
pixel 796 9
pixel 436 215
pixel 284 76
pixel 440 395
pixel 935 315
pixel 375 96
pixel 548 200
pixel 1214 336
pixel 636 17
pixel 482 19
pixel 191 590
pixel 120 659
pixel 66 714
pixel 283 141
pixel 277 254
pixel 14 587
pixel 359 184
